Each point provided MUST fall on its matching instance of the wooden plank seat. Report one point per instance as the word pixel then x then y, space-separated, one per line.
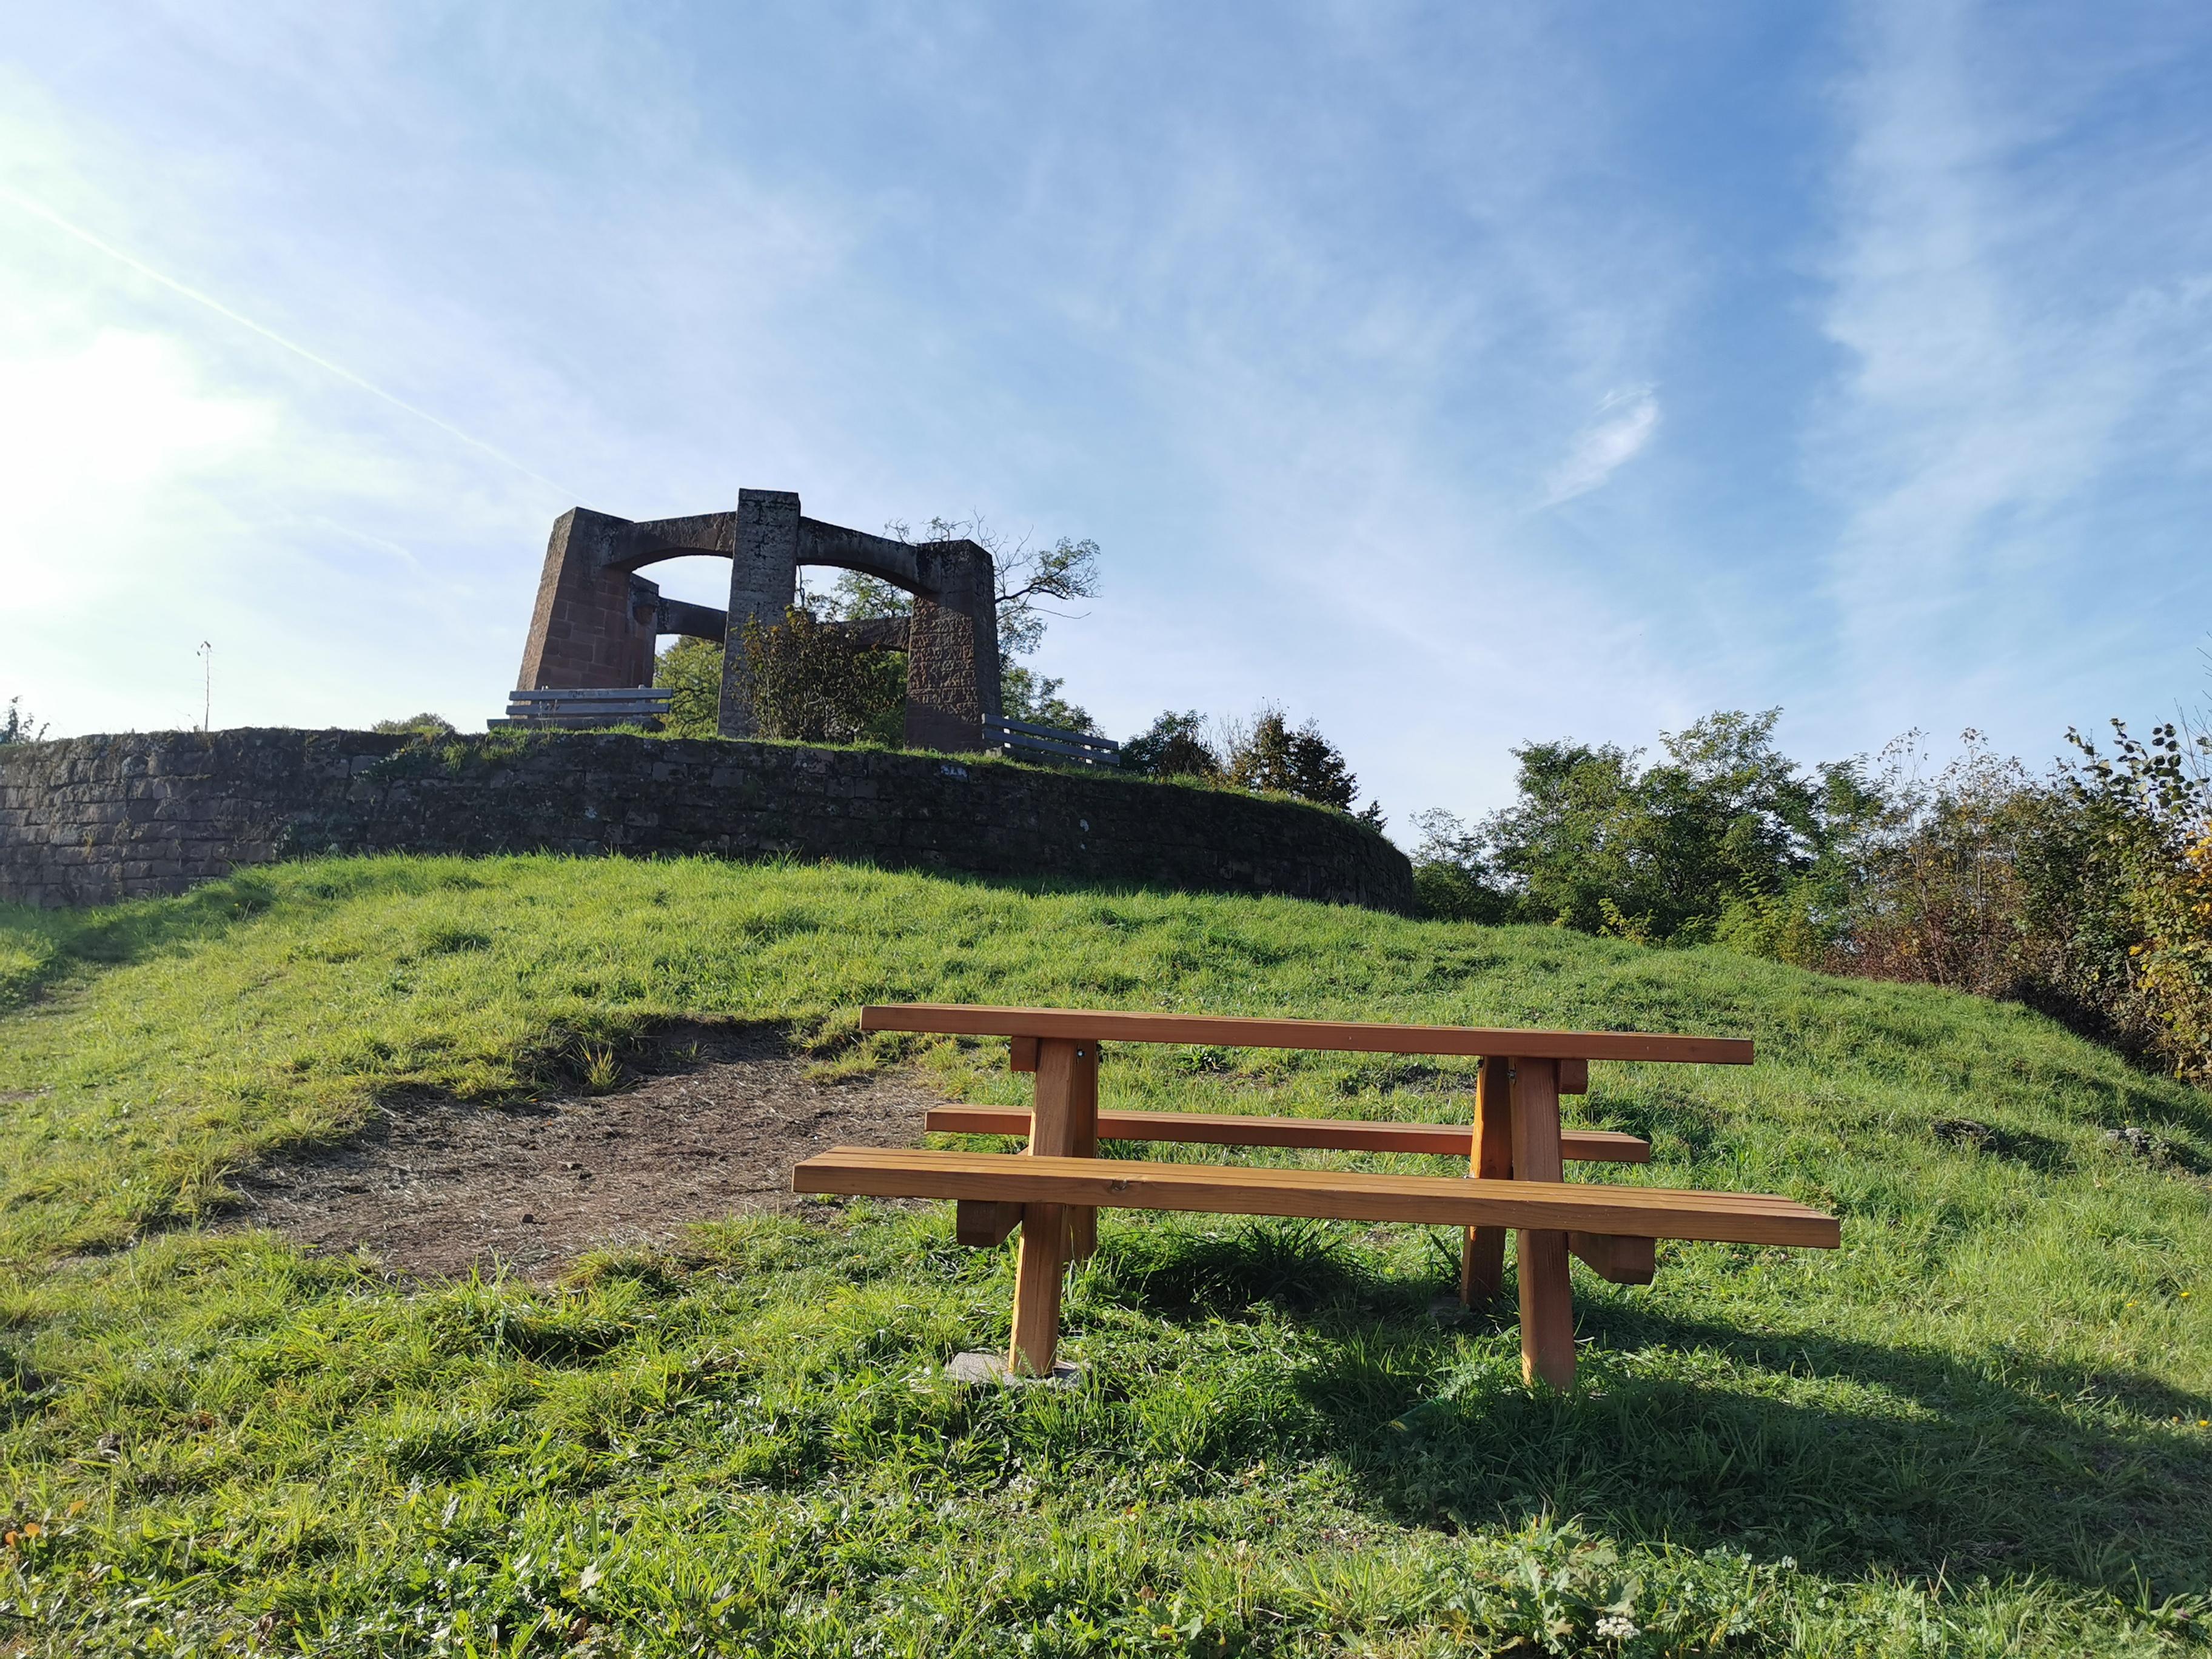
pixel 1515 1146
pixel 1334 1134
pixel 574 708
pixel 1614 1230
pixel 1318 1194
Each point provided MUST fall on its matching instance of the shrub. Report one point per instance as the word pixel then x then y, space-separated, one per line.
pixel 2085 893
pixel 2177 957
pixel 1972 880
pixel 1271 755
pixel 16 726
pixel 812 683
pixel 428 726
pixel 1450 879
pixel 2075 893
pixel 2149 808
pixel 1172 746
pixel 691 671
pixel 1725 829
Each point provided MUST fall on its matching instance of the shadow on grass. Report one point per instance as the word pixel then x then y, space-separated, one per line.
pixel 48 945
pixel 1850 1455
pixel 40 948
pixel 1296 1266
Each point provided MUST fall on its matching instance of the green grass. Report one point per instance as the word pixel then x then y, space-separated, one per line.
pixel 1977 1428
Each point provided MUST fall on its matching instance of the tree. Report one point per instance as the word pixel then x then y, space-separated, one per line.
pixel 1026 695
pixel 1271 755
pixel 1450 878
pixel 857 597
pixel 691 671
pixel 1173 746
pixel 16 726
pixel 1027 579
pixel 1724 832
pixel 1065 570
pixel 856 698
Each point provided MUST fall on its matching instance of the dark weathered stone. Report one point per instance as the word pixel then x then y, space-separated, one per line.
pixel 92 820
pixel 596 621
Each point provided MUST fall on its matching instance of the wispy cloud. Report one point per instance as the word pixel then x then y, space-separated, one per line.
pixel 40 210
pixel 1626 421
pixel 2019 288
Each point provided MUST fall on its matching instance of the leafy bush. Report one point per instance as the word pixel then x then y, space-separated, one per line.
pixel 1976 879
pixel 2148 808
pixel 424 724
pixel 809 682
pixel 691 671
pixel 1172 746
pixel 2075 892
pixel 16 726
pixel 2085 893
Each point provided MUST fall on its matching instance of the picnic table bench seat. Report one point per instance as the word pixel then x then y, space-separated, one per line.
pixel 1318 1194
pixel 1515 1148
pixel 1612 1228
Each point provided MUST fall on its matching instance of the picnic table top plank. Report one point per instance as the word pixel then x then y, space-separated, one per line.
pixel 1238 1031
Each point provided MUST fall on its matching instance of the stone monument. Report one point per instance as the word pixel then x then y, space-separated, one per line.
pixel 598 623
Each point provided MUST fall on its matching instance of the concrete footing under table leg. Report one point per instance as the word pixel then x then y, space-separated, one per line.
pixel 979 1366
pixel 1449 1310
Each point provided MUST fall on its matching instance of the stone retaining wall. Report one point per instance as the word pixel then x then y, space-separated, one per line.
pixel 90 820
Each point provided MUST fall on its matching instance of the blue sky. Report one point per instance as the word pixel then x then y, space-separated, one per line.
pixel 1456 376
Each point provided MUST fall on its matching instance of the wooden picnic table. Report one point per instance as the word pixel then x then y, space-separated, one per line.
pixel 1515 1148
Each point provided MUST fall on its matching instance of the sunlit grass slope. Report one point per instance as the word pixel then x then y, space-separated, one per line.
pixel 1979 1427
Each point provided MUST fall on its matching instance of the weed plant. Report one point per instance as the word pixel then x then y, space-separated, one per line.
pixel 1981 1427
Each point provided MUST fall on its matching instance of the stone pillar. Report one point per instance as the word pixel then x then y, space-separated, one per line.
pixel 643 640
pixel 952 649
pixel 584 630
pixel 763 579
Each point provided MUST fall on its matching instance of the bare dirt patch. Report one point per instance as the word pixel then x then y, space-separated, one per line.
pixel 435 1187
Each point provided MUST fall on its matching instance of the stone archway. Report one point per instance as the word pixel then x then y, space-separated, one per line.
pixel 597 622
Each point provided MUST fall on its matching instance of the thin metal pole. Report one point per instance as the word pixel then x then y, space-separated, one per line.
pixel 207 685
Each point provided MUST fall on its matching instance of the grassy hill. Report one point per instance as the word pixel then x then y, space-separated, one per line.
pixel 1980 1427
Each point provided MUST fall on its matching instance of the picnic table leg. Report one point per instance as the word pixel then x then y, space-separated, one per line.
pixel 1065 1110
pixel 1082 1112
pixel 1482 1256
pixel 1036 1289
pixel 1547 1311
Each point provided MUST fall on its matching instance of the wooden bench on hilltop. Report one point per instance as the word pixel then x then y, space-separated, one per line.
pixel 574 708
pixel 1515 1148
